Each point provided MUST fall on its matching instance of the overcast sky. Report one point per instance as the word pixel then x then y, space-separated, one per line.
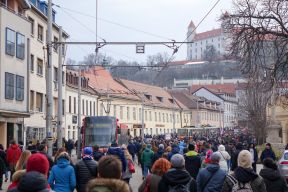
pixel 166 19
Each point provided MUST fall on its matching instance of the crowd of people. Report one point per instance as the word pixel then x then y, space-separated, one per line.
pixel 200 163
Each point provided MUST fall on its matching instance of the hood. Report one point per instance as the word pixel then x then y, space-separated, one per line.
pixel 191 153
pixel 181 144
pixel 174 177
pixel 14 146
pixel 107 185
pixel 221 148
pixel 270 174
pixel 160 151
pixel 245 175
pixel 147 149
pixel 114 150
pixel 62 162
pixel 213 168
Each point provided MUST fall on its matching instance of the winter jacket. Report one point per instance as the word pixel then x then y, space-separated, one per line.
pixel 176 177
pixel 159 154
pixel 127 174
pixel 132 149
pixel 243 176
pixel 3 157
pixel 255 155
pixel 13 154
pixel 175 150
pixel 97 155
pixel 234 160
pixel 147 156
pixel 85 170
pixel 153 181
pixel 62 176
pixel 192 163
pixel 268 153
pixel 107 185
pixel 215 183
pixel 273 180
pixel 118 152
pixel 224 157
pixel 182 145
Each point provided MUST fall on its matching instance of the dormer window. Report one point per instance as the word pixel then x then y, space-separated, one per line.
pixel 149 97
pixel 171 101
pixel 160 99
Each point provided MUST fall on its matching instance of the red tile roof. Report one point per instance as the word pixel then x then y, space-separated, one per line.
pixel 208 34
pixel 228 88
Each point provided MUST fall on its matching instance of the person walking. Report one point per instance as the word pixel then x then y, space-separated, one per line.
pixel 21 163
pixel 3 157
pixel 146 159
pixel 85 169
pixel 132 149
pixel 62 176
pixel 272 178
pixel 97 154
pixel 127 175
pixel 43 149
pixel 177 178
pixel 267 153
pixel 254 155
pixel 13 155
pixel 109 177
pixel 159 154
pixel 175 150
pixel 151 183
pixel 118 152
pixel 225 157
pixel 192 161
pixel 2 171
pixel 212 177
pixel 243 177
pixel 234 158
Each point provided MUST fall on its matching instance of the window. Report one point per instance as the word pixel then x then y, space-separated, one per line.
pixel 167 119
pixel 94 108
pixel 39 102
pixel 20 46
pixel 55 71
pixel 32 62
pixel 9 85
pixel 145 116
pixel 69 104
pixel 74 107
pixel 121 112
pixel 55 46
pixel 150 116
pixel 39 67
pixel 115 110
pixel 155 116
pixel 163 115
pixel 160 99
pixel 40 33
pixel 32 100
pixel 134 113
pixel 149 97
pixel 140 114
pixel 86 107
pixel 83 107
pixel 19 88
pixel 32 25
pixel 91 108
pixel 128 113
pixel 10 42
pixel 159 117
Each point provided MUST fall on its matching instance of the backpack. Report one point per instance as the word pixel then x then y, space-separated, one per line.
pixel 180 187
pixel 240 187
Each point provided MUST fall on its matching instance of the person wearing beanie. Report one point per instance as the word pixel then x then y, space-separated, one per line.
pixel 244 176
pixel 85 169
pixel 177 178
pixel 272 178
pixel 212 177
pixel 268 153
pixel 62 177
pixel 38 162
pixel 192 161
pixel 159 154
pixel 118 152
pixel 146 159
pixel 175 150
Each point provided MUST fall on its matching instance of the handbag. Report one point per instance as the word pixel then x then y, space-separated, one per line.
pixel 131 166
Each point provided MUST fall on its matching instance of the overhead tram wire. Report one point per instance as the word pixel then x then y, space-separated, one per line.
pixel 178 47
pixel 114 23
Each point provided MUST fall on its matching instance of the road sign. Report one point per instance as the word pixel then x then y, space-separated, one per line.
pixel 140 48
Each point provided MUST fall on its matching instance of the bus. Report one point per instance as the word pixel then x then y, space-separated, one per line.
pixel 102 131
pixel 189 131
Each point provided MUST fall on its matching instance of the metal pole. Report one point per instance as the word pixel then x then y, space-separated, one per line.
pixel 173 112
pixel 142 118
pixel 49 80
pixel 60 102
pixel 79 115
pixel 197 117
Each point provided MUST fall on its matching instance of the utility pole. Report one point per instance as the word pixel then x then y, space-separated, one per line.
pixel 142 118
pixel 60 102
pixel 49 104
pixel 79 115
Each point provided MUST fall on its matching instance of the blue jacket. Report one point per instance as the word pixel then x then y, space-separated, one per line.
pixel 216 181
pixel 62 176
pixel 267 153
pixel 132 149
pixel 175 150
pixel 117 151
pixel 182 146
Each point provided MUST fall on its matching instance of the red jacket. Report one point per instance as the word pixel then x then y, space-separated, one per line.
pixel 13 154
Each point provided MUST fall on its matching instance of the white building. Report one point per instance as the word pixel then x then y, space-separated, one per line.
pixel 223 94
pixel 36 124
pixel 203 41
pixel 14 75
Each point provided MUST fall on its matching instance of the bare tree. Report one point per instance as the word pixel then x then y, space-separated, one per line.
pixel 210 53
pixel 258 33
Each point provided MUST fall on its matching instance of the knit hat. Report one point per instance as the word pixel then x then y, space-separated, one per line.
pixel 88 151
pixel 161 146
pixel 245 159
pixel 33 181
pixel 38 162
pixel 215 157
pixel 178 161
pixel 191 147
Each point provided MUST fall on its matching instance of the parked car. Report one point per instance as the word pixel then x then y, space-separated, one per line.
pixel 283 165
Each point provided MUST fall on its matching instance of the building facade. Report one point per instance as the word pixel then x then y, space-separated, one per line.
pixel 208 42
pixel 14 75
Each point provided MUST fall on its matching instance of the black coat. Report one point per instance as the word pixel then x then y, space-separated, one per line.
pixel 273 180
pixel 85 171
pixel 192 164
pixel 176 177
pixel 234 160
